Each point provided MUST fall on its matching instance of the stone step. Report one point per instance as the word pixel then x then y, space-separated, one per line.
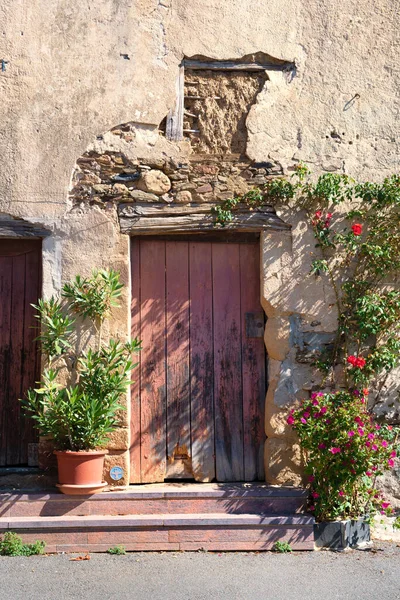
pixel 215 532
pixel 160 499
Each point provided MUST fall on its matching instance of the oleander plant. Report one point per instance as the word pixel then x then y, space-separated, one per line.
pixel 357 237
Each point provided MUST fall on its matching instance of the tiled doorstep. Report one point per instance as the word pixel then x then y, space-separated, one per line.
pixel 138 521
pixel 172 490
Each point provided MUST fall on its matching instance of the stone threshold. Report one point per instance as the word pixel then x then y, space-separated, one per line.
pixel 165 490
pixel 137 521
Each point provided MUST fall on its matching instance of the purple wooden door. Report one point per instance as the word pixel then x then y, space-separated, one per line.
pixel 20 282
pixel 199 391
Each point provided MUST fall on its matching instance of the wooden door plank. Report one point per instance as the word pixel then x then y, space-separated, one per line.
pixel 16 351
pixel 135 470
pixel 253 365
pixel 5 333
pixel 178 381
pixel 152 369
pixel 227 363
pixel 201 362
pixel 30 351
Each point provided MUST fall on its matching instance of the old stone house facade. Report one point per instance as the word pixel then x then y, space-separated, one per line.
pixel 122 124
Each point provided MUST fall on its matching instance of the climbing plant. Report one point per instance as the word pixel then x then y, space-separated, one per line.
pixel 357 237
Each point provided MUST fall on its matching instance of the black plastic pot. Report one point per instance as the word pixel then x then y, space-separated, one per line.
pixel 339 535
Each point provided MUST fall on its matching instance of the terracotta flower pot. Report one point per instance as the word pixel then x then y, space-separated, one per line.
pixel 80 473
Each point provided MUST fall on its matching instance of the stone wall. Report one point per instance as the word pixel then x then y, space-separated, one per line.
pixel 74 70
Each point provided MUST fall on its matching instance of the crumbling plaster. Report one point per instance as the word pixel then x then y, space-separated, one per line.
pixel 75 70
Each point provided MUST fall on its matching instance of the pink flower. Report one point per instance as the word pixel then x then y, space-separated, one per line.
pixel 377 427
pixel 341 493
pixel 290 420
pixel 385 504
pixel 303 420
pixel 323 410
pixel 371 436
pixel 321 446
pixel 393 454
pixel 311 478
pixel 368 444
pixel 368 473
pixel 375 468
pixel 360 431
pixel 374 447
pixel 384 443
pixel 311 508
pixel 315 495
pixel 350 433
pixel 306 415
pixel 315 403
pixel 334 450
pixel 313 396
pixel 391 463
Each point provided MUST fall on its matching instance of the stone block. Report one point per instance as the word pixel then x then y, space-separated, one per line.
pixel 284 462
pixel 184 197
pixel 276 422
pixel 154 182
pixel 139 196
pixel 204 189
pixel 115 459
pixel 277 335
pixel 118 439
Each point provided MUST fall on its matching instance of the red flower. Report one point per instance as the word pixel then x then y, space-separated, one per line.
pixel 356 229
pixel 356 361
pixel 290 420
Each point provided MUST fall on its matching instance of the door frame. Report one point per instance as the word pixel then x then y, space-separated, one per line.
pixel 232 236
pixel 14 244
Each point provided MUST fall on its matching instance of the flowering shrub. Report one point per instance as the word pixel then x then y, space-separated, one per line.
pixel 357 233
pixel 346 450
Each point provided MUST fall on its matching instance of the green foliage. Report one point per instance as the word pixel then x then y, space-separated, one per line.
pixel 81 413
pixel 282 547
pixel 357 238
pixel 95 296
pixel 118 550
pixel 319 266
pixel 346 450
pixel 396 524
pixel 56 327
pixel 12 545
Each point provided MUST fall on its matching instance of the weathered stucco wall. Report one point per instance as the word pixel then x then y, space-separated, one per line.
pixel 76 70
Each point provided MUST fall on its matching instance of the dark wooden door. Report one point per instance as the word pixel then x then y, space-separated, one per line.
pixel 20 283
pixel 199 391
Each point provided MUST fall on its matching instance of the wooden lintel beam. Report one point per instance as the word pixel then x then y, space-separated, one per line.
pixel 219 65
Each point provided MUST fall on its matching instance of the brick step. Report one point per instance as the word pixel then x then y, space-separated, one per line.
pixel 215 532
pixel 160 499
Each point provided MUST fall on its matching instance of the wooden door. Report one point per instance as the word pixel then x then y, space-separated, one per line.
pixel 20 284
pixel 199 391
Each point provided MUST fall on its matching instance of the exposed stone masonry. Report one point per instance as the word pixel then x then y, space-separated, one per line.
pixel 101 178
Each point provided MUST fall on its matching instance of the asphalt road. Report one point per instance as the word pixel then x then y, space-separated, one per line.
pixel 365 575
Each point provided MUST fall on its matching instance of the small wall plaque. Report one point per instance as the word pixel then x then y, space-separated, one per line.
pixel 116 473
